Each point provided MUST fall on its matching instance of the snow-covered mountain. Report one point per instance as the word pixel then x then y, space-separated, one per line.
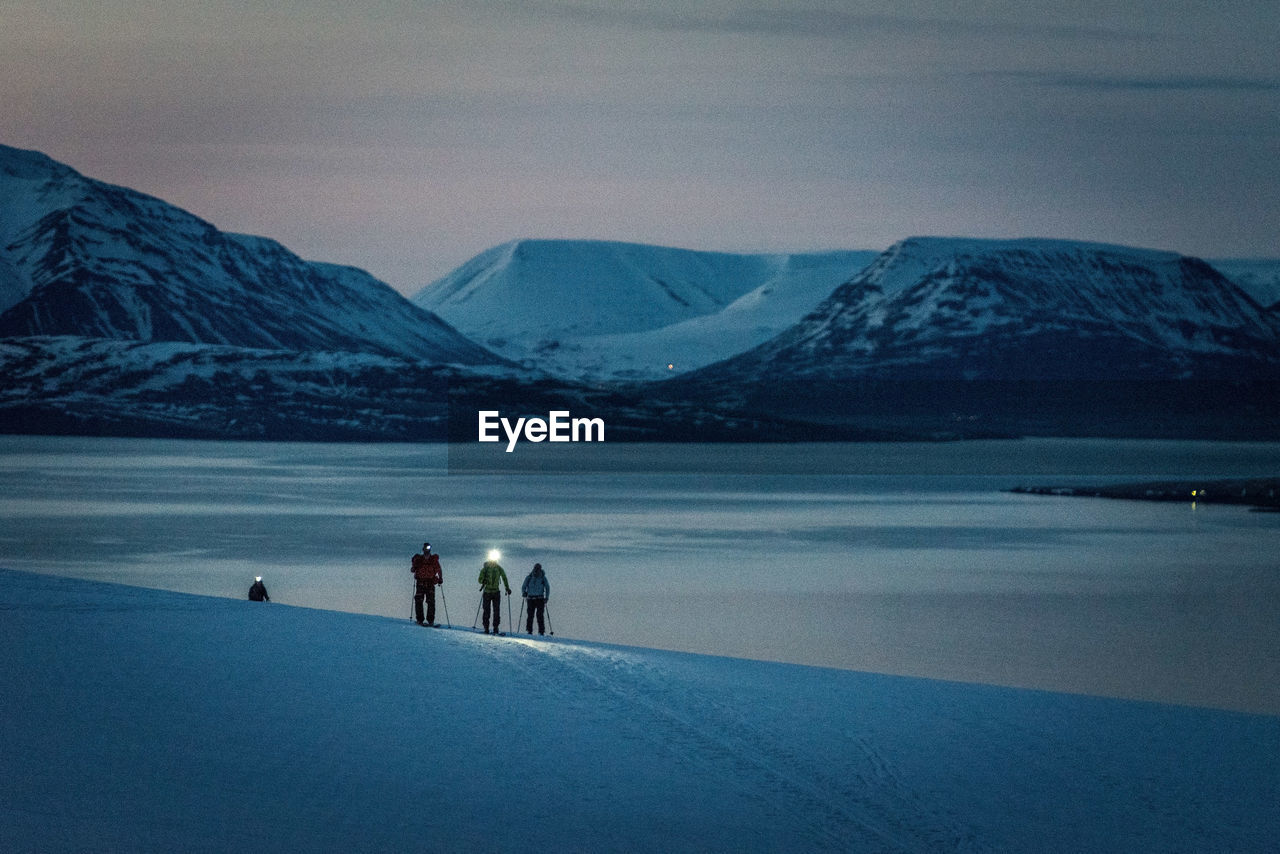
pixel 601 310
pixel 81 257
pixel 753 342
pixel 1258 277
pixel 938 308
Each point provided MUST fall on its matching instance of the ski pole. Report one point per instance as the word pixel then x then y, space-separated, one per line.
pixel 513 628
pixel 546 606
pixel 478 607
pixel 445 601
pixel 412 593
pixel 516 627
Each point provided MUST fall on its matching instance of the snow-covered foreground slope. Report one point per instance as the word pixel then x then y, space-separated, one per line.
pixel 143 720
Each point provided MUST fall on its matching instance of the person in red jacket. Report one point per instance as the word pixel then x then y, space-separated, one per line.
pixel 426 572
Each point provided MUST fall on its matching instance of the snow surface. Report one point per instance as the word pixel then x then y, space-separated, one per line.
pixel 81 257
pixel 942 300
pixel 145 720
pixel 1258 277
pixel 591 310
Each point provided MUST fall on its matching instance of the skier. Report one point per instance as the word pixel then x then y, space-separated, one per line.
pixel 536 591
pixel 425 567
pixel 258 591
pixel 490 574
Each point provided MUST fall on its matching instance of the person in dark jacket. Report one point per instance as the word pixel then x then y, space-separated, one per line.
pixel 490 575
pixel 258 591
pixel 536 591
pixel 425 567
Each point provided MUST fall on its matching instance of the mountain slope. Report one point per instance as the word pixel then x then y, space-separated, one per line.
pixel 88 386
pixel 1258 277
pixel 107 387
pixel 80 257
pixel 1024 309
pixel 601 310
pixel 956 338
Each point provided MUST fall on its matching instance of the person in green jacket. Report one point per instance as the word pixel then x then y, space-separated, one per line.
pixel 490 575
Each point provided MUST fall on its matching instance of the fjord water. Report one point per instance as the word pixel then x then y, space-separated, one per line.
pixel 900 558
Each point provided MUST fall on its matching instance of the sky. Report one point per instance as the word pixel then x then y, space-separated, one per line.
pixel 406 137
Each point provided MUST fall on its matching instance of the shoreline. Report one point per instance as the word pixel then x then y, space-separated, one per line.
pixel 1259 494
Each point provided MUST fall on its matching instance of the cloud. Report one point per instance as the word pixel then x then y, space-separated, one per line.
pixel 1153 83
pixel 789 19
pixel 404 136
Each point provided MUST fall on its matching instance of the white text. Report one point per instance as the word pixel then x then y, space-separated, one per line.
pixel 558 426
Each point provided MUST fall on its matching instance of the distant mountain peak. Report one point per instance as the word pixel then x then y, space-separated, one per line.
pixel 1028 308
pixel 82 257
pixel 597 309
pixel 25 163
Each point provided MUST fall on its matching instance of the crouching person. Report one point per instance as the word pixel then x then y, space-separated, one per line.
pixel 258 591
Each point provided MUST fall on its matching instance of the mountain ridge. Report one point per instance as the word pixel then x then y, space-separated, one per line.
pixel 88 258
pixel 835 344
pixel 607 310
pixel 1259 277
pixel 926 305
pixel 1025 337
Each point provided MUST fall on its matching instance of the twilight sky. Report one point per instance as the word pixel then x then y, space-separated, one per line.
pixel 405 137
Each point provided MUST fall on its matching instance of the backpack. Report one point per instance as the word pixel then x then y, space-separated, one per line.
pixel 490 576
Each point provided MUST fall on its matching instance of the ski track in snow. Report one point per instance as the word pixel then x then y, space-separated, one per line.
pixel 143 720
pixel 709 733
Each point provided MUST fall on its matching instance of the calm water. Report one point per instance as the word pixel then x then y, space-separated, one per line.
pixel 907 559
